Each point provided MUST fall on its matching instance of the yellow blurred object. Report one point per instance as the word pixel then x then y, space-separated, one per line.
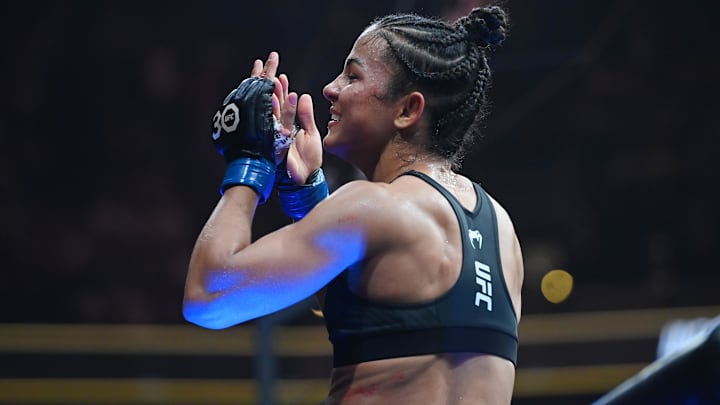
pixel 556 286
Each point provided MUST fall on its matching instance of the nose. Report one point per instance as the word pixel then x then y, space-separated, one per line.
pixel 330 91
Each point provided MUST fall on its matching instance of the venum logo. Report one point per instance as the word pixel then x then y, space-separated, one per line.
pixel 484 280
pixel 475 237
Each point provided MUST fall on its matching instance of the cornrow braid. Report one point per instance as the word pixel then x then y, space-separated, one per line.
pixel 448 64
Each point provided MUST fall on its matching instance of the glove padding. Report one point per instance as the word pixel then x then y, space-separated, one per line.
pixel 243 126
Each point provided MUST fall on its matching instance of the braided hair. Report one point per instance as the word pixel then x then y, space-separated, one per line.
pixel 447 63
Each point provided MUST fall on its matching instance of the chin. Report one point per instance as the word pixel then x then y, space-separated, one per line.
pixel 336 151
pixel 331 147
pixel 341 152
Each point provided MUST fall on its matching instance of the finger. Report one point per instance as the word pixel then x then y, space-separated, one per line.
pixel 306 115
pixel 277 98
pixel 285 85
pixel 278 93
pixel 287 118
pixel 276 106
pixel 257 68
pixel 271 65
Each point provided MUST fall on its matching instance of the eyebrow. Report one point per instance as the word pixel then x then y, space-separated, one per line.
pixel 356 61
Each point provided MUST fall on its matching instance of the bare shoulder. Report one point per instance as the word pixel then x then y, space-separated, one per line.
pixel 358 200
pixel 378 209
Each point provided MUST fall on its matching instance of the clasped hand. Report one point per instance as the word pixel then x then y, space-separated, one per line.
pixel 304 153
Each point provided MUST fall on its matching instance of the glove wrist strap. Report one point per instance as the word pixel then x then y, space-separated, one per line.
pixel 258 174
pixel 296 200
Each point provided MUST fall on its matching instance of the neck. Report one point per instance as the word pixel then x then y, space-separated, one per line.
pixel 400 157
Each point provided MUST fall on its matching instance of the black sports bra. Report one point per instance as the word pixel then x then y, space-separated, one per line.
pixel 474 315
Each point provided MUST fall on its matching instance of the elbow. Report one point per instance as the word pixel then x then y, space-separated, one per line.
pixel 203 307
pixel 203 315
pixel 220 303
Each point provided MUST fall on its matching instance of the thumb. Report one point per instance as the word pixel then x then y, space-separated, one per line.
pixel 306 114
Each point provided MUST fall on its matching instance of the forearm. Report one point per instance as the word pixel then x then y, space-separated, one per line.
pixel 230 281
pixel 227 232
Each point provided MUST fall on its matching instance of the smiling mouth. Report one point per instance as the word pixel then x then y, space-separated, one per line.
pixel 334 120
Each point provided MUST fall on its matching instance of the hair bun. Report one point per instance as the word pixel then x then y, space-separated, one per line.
pixel 485 26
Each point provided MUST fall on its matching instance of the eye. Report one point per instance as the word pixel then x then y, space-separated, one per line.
pixel 351 77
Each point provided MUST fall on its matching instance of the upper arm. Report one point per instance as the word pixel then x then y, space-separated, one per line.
pixel 290 264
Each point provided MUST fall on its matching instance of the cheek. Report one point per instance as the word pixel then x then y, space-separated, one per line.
pixel 365 118
pixel 363 112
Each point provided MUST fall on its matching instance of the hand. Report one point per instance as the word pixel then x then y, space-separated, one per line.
pixel 243 126
pixel 304 155
pixel 243 131
pixel 284 110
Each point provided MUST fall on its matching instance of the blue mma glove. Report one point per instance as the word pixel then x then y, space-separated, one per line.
pixel 243 131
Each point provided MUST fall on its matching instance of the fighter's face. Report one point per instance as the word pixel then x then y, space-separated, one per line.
pixel 361 120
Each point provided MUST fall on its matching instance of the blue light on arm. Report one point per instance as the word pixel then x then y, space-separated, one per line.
pixel 236 296
pixel 219 281
pixel 346 244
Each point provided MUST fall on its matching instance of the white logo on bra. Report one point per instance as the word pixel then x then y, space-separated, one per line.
pixel 475 236
pixel 484 280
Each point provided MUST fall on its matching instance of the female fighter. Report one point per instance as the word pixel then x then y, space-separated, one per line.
pixel 418 269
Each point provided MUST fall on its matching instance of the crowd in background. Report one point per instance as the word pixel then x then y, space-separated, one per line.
pixel 602 142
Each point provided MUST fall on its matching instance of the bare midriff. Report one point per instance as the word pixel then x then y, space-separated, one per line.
pixel 448 379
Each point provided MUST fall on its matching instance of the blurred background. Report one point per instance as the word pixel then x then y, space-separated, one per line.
pixel 601 144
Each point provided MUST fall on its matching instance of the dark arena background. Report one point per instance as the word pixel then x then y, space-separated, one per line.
pixel 603 144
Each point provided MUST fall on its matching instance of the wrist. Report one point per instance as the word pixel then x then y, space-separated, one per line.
pixel 296 200
pixel 258 174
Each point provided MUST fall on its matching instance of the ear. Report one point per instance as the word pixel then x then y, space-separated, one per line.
pixel 411 110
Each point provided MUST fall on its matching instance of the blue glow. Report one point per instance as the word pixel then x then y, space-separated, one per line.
pixel 348 245
pixel 219 281
pixel 236 296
